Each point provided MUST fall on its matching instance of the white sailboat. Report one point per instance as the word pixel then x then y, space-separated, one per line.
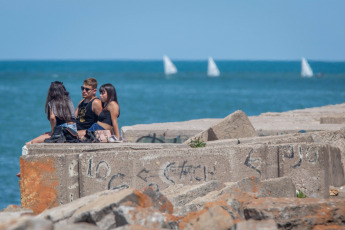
pixel 306 71
pixel 212 69
pixel 169 67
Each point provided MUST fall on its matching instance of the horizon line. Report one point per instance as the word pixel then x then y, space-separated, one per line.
pixel 177 59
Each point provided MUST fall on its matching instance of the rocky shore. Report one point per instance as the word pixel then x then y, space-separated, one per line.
pixel 247 176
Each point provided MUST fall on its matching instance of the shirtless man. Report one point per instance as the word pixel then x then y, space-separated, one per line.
pixel 89 108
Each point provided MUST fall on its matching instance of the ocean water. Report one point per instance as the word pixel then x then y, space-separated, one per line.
pixel 146 95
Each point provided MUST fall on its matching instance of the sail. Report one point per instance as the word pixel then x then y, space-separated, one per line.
pixel 306 71
pixel 212 69
pixel 169 67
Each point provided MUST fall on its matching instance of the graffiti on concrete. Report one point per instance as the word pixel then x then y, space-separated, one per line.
pixel 288 152
pixel 311 154
pixel 171 173
pixel 153 138
pixel 189 172
pixel 252 162
pixel 113 178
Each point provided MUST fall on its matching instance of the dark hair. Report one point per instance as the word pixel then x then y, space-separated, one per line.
pixel 111 92
pixel 58 96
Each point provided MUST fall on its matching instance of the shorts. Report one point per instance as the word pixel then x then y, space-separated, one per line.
pixel 95 127
pixel 71 126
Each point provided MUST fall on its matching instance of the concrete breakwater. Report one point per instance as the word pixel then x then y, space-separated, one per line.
pixel 310 153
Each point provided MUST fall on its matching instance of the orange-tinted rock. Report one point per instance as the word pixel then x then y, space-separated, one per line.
pixel 212 218
pixel 160 201
pixel 38 184
pixel 296 212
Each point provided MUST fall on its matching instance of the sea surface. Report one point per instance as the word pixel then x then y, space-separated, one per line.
pixel 147 96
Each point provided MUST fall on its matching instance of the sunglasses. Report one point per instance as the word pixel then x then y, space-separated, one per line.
pixel 87 89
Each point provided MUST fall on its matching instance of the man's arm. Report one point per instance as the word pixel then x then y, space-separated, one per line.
pixel 77 108
pixel 97 106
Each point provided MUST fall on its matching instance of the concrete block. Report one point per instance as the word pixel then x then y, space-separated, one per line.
pixel 72 148
pixel 166 167
pixel 279 187
pixel 236 125
pixel 269 140
pixel 98 209
pixel 308 166
pixel 48 180
pixel 213 218
pixel 181 195
pixel 104 171
pixel 252 186
pixel 332 120
pixel 296 213
pixel 169 132
pixel 336 166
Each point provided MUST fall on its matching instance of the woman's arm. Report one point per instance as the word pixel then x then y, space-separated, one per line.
pixel 52 120
pixel 114 109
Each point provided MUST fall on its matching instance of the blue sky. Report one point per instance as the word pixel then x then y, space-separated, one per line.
pixel 181 29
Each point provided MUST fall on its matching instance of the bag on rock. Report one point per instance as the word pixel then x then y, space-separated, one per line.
pixel 63 135
pixel 90 137
pixel 103 135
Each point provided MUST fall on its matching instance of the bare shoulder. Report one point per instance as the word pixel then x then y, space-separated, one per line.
pixel 113 105
pixel 97 102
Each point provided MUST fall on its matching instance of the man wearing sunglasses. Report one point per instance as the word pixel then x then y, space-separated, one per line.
pixel 90 107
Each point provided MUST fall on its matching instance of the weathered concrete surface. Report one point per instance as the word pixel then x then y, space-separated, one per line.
pixel 277 187
pixel 48 181
pixel 236 125
pixel 51 179
pixel 332 120
pixel 169 132
pixel 55 174
pixel 266 124
pixel 162 168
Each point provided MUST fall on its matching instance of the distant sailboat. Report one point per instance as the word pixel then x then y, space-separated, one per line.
pixel 212 69
pixel 306 71
pixel 169 67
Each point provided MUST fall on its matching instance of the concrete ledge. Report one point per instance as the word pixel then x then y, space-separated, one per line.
pixel 61 178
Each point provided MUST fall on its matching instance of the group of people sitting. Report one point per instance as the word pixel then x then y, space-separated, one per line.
pixel 92 113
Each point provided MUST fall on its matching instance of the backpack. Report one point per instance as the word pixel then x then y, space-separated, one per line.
pixel 63 135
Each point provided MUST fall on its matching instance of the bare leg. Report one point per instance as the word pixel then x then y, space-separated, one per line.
pixel 39 139
pixel 81 133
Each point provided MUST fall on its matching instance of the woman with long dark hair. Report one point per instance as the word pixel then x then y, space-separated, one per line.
pixel 107 119
pixel 59 109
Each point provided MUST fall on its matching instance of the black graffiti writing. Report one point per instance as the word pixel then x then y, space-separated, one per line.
pixel 148 139
pixel 311 156
pixel 300 158
pixel 107 168
pixel 188 171
pixel 143 174
pixel 89 171
pixel 113 178
pixel 249 162
pixel 166 172
pixel 162 139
